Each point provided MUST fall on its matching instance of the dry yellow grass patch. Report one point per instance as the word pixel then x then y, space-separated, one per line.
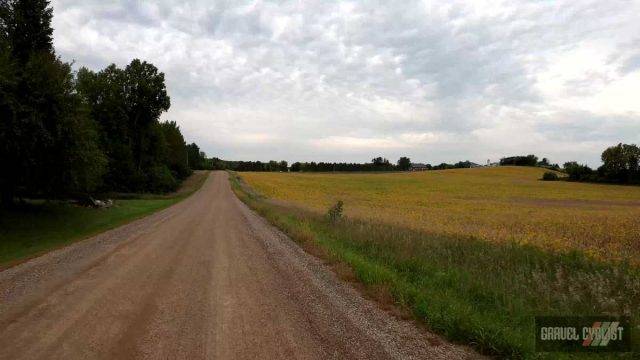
pixel 494 204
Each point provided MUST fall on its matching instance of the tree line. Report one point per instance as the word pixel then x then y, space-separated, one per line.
pixel 250 165
pixel 64 133
pixel 444 166
pixel 528 160
pixel 376 164
pixel 620 164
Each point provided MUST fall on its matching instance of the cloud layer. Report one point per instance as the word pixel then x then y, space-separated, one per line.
pixel 344 81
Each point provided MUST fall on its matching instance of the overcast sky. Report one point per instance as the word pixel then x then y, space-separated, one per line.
pixel 346 81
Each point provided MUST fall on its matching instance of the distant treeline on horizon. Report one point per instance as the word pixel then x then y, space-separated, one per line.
pixel 376 164
pixel 621 164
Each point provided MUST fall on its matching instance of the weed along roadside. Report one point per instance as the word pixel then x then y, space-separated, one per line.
pixel 471 291
pixel 41 227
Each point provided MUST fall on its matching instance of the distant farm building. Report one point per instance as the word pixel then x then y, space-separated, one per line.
pixel 419 167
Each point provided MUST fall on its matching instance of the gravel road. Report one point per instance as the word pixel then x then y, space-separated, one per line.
pixel 205 278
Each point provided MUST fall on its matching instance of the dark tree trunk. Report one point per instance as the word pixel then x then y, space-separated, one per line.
pixel 7 197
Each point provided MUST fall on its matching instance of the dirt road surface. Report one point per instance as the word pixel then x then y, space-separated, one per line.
pixel 205 278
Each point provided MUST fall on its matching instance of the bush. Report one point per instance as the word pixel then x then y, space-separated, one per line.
pixel 335 212
pixel 550 176
pixel 160 179
pixel 578 171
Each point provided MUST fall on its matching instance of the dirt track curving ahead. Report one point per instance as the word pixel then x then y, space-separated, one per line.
pixel 205 278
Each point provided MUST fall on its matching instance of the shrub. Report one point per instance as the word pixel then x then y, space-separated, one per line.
pixel 578 171
pixel 161 180
pixel 550 176
pixel 335 212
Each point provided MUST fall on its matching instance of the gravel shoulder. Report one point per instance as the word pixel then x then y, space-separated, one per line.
pixel 205 278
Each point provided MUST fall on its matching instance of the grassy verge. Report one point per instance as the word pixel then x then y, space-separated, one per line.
pixel 39 226
pixel 471 291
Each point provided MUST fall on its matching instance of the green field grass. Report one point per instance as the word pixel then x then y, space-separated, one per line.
pixel 38 226
pixel 471 289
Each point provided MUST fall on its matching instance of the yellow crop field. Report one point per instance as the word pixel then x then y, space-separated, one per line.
pixel 493 204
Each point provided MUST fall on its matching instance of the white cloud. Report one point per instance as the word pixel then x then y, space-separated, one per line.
pixel 346 81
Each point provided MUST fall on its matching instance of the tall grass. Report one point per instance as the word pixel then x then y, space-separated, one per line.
pixel 471 291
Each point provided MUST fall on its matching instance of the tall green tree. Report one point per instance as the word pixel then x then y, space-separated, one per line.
pixel 48 141
pixel 8 109
pixel 29 30
pixel 103 93
pixel 127 104
pixel 621 163
pixel 146 99
pixel 196 157
pixel 404 163
pixel 283 166
pixel 176 156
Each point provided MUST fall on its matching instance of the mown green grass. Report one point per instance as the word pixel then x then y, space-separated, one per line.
pixel 471 291
pixel 38 226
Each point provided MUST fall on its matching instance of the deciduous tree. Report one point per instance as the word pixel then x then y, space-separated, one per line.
pixel 404 163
